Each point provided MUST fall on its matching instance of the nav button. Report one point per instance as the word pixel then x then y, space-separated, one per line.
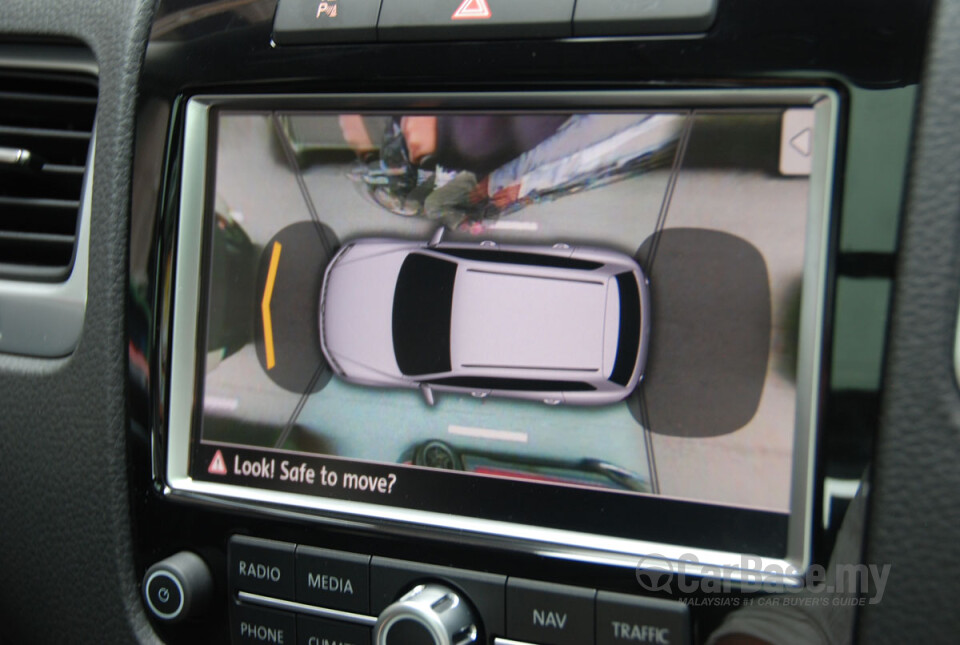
pixel 333 579
pixel 264 567
pixel 623 619
pixel 546 613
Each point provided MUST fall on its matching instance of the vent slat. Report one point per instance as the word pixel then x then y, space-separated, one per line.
pixel 39 202
pixel 49 115
pixel 36 238
pixel 51 146
pixel 43 133
pixel 48 98
pixel 63 169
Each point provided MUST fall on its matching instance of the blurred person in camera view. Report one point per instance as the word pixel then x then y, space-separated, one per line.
pixel 464 149
pixel 463 169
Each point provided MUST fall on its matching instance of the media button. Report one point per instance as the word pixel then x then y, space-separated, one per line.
pixel 548 613
pixel 254 625
pixel 333 579
pixel 317 631
pixel 263 567
pixel 625 619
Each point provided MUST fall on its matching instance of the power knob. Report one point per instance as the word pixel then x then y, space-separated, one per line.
pixel 428 614
pixel 178 587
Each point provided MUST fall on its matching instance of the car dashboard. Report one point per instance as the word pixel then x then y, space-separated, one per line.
pixel 513 323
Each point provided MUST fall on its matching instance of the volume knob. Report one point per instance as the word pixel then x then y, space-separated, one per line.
pixel 428 614
pixel 178 587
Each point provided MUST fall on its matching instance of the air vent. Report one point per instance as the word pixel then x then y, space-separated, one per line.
pixel 46 127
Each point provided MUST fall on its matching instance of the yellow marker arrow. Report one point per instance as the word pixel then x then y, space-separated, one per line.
pixel 265 306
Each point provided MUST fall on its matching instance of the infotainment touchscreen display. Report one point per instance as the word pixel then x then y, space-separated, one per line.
pixel 594 325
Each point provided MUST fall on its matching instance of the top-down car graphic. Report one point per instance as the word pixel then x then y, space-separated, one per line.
pixel 556 324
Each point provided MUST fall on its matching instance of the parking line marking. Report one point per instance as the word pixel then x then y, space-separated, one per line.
pixel 220 404
pixel 512 225
pixel 488 433
pixel 265 306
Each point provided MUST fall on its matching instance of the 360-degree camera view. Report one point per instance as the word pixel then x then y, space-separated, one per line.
pixel 608 300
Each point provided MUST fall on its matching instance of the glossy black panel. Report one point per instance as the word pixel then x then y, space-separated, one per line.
pixel 225 47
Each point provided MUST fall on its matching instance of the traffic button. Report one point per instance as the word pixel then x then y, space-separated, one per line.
pixel 263 567
pixel 634 619
pixel 306 22
pixel 547 613
pixel 458 19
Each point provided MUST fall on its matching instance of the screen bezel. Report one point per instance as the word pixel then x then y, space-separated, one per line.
pixel 191 274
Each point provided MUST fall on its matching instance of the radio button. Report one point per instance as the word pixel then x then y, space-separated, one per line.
pixel 263 567
pixel 333 579
pixel 625 619
pixel 316 631
pixel 252 625
pixel 546 613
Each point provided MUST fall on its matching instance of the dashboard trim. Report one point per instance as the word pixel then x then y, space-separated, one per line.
pixel 310 610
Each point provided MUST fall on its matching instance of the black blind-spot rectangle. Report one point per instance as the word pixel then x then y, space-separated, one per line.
pixel 422 309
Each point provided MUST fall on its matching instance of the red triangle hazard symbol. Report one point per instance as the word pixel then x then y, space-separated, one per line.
pixel 217 465
pixel 472 10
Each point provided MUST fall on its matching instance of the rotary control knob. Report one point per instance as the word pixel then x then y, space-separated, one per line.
pixel 178 587
pixel 428 614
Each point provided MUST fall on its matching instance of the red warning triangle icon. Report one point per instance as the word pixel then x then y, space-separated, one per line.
pixel 472 10
pixel 217 465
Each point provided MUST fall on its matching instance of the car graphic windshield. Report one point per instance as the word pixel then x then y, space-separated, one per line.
pixel 422 309
pixel 629 341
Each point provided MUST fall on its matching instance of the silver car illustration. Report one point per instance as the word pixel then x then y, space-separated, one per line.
pixel 558 324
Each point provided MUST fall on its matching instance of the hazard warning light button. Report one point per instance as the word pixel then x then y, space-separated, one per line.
pixel 481 19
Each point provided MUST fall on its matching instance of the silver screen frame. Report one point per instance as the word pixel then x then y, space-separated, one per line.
pixel 173 473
